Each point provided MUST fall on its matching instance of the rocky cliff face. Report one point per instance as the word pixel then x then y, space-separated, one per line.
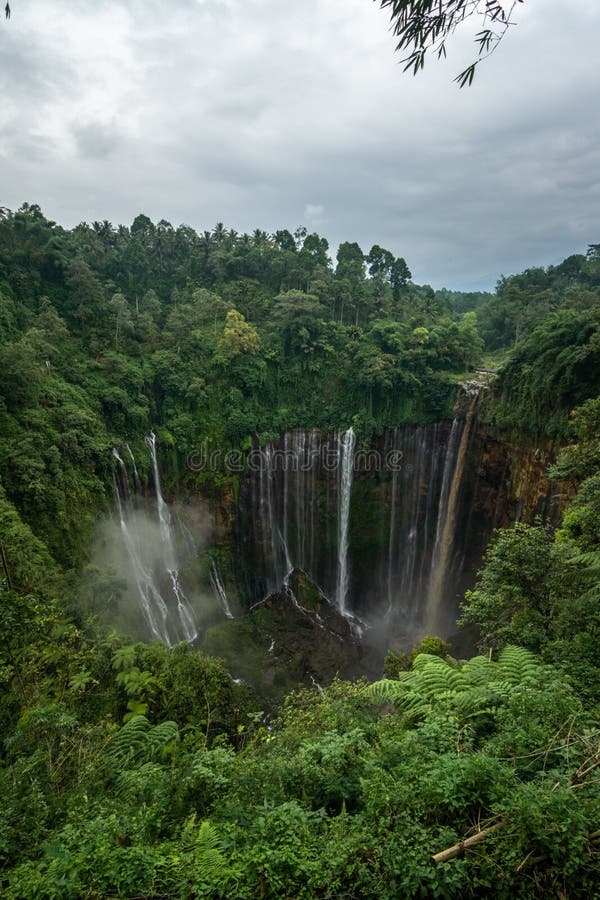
pixel 286 514
pixel 294 636
pixel 512 481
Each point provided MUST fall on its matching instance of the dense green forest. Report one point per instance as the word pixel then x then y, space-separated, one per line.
pixel 137 770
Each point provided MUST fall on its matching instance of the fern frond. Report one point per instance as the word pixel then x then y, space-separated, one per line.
pixel 478 688
pixel 516 665
pixel 129 741
pixel 413 706
pixel 388 690
pixel 437 676
pixel 138 742
pixel 479 670
pixel 161 735
pixel 590 560
pixel 207 849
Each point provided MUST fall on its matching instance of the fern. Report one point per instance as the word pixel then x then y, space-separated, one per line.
pixel 206 847
pixel 160 736
pixel 387 690
pixel 138 742
pixel 589 560
pixel 124 658
pixel 518 665
pixel 479 670
pixel 478 688
pixel 402 694
pixel 437 676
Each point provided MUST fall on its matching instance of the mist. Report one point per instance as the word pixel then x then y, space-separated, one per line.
pixel 151 578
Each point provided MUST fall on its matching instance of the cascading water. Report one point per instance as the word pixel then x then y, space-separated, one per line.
pixel 392 528
pixel 385 541
pixel 447 479
pixel 216 581
pixel 412 502
pixel 446 529
pixel 347 442
pixel 154 608
pixel 185 614
pixel 285 500
pixel 152 556
pixel 136 477
pixel 373 539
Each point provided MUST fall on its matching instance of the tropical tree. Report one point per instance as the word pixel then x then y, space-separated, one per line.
pixel 238 337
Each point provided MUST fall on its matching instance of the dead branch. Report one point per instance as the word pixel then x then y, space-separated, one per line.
pixel 458 849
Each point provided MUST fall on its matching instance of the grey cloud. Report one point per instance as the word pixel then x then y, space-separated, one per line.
pixel 95 140
pixel 30 72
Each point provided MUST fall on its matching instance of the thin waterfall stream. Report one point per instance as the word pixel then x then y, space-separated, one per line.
pixel 447 528
pixel 185 613
pixel 216 581
pixel 346 466
pixel 154 608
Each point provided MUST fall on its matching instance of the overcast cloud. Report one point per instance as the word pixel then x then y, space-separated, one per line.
pixel 267 114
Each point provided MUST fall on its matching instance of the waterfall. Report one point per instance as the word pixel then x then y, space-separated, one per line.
pixel 154 608
pixel 299 492
pixel 216 581
pixel 410 578
pixel 447 480
pixel 286 492
pixel 188 538
pixel 164 516
pixel 185 614
pixel 122 477
pixel 391 532
pixel 313 520
pixel 287 502
pixel 413 498
pixel 136 477
pixel 346 472
pixel 280 556
pixel 294 513
pixel 446 530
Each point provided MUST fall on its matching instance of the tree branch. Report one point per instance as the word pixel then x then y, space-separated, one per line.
pixel 458 849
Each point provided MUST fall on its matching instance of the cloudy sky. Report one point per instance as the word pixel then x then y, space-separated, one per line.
pixel 271 114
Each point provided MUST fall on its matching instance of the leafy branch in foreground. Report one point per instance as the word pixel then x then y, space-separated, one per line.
pixel 423 26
